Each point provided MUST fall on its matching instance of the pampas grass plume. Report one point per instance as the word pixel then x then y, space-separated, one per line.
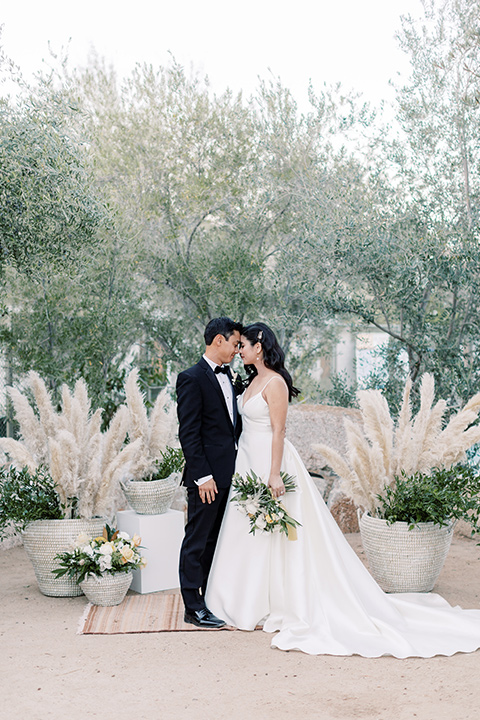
pixel 154 433
pixel 379 452
pixel 139 427
pixel 31 431
pixel 19 454
pixel 113 473
pixel 48 416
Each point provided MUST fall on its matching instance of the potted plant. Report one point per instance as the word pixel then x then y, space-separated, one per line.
pixel 68 459
pixel 407 479
pixel 102 566
pixel 155 471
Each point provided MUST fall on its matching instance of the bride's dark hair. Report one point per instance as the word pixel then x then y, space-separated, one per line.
pixel 273 355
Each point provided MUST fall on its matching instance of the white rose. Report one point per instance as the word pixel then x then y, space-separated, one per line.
pixel 105 549
pixel 88 550
pixel 127 553
pixel 82 539
pixel 123 535
pixel 261 522
pixel 105 562
pixel 251 508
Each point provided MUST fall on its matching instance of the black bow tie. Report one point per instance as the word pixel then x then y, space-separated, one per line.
pixel 221 369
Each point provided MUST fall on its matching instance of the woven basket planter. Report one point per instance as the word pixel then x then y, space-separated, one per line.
pixel 108 589
pixel 403 560
pixel 43 539
pixel 151 497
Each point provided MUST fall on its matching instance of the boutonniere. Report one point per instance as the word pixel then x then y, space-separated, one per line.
pixel 233 375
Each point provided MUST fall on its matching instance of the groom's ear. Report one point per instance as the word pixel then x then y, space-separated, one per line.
pixel 217 340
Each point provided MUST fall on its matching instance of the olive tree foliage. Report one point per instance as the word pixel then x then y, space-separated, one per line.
pixel 48 209
pixel 208 184
pixel 407 259
pixel 71 307
pixel 202 204
pixel 77 324
pixel 439 112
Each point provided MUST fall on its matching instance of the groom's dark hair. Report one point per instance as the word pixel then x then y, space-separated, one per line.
pixel 220 326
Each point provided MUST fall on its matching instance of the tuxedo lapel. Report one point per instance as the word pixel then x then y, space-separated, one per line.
pixel 213 380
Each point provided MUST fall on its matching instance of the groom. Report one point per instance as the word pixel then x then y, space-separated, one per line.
pixel 209 428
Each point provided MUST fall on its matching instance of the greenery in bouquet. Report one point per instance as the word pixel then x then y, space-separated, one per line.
pixel 26 495
pixel 264 511
pixel 110 553
pixel 440 497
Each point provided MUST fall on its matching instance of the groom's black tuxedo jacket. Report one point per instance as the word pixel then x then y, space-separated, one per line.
pixel 206 433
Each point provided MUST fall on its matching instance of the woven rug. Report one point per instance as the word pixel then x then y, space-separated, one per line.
pixel 154 612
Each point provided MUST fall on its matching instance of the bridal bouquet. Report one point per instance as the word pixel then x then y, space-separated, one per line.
pixel 265 512
pixel 110 553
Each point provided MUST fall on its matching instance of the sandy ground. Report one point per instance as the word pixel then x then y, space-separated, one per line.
pixel 48 671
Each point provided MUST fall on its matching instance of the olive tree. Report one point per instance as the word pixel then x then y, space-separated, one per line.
pixel 71 302
pixel 206 184
pixel 406 258
pixel 48 207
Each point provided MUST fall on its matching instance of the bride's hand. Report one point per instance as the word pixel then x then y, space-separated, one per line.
pixel 276 485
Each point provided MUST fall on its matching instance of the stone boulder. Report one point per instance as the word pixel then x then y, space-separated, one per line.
pixel 344 511
pixel 308 425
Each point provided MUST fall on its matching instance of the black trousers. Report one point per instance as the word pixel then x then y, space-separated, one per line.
pixel 198 547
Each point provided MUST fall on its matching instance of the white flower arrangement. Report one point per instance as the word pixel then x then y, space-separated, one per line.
pixel 110 553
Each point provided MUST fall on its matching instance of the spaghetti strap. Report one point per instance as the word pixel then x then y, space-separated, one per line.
pixel 244 402
pixel 269 381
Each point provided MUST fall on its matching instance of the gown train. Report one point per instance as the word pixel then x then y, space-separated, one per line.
pixel 315 593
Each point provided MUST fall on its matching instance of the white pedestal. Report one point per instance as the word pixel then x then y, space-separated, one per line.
pixel 162 537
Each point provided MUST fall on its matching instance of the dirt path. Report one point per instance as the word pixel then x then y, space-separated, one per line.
pixel 48 671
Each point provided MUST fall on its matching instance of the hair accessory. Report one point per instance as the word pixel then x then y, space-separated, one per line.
pixel 260 335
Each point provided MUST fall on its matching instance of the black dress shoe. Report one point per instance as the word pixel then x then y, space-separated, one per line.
pixel 203 618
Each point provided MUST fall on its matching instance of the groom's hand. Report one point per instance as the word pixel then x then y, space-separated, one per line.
pixel 207 491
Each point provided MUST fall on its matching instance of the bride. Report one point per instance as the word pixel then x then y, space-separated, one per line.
pixel 313 592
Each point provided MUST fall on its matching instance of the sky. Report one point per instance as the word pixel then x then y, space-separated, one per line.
pixel 322 41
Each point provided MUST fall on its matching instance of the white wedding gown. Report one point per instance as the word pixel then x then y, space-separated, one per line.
pixel 315 591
